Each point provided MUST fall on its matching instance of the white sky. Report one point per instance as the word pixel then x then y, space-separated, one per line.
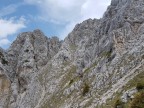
pixel 70 12
pixel 9 27
pixel 62 12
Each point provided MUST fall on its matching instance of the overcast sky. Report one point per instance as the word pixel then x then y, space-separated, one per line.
pixel 53 17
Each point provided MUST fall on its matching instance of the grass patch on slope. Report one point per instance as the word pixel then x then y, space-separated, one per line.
pixel 138 82
pixel 90 68
pixel 138 101
pixel 59 98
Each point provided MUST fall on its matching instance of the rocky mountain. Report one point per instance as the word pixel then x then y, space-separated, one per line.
pixel 100 64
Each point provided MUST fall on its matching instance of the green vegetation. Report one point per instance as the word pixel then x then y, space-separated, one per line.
pixel 55 101
pixel 26 50
pixel 66 63
pixel 73 47
pixel 86 89
pixel 140 85
pixel 119 104
pixel 131 57
pixel 138 101
pixel 113 103
pixel 69 77
pixel 59 98
pixel 107 54
pixel 89 102
pixel 1 55
pixel 4 61
pixel 138 82
pixel 135 81
pixel 71 81
pixel 91 67
pixel 87 69
pixel 26 61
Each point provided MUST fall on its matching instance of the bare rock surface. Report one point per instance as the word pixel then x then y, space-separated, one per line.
pixel 93 63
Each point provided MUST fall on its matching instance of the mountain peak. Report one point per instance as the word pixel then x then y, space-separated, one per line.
pixel 100 61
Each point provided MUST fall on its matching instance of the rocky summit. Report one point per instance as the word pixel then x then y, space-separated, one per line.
pixel 100 64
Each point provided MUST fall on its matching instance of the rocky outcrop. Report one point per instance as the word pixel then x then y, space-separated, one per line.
pixel 23 60
pixel 93 63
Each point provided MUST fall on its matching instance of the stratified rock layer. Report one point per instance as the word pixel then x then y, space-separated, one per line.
pixel 94 62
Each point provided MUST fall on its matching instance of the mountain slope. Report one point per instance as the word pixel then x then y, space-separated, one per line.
pixel 90 68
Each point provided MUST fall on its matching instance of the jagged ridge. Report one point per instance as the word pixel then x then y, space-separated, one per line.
pixel 93 63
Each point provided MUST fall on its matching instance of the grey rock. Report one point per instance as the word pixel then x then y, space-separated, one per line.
pixel 128 95
pixel 94 61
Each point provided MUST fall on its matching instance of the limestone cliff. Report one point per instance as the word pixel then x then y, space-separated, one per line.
pixel 95 64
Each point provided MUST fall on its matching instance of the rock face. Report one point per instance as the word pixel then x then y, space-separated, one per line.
pixel 94 62
pixel 23 60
